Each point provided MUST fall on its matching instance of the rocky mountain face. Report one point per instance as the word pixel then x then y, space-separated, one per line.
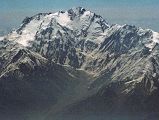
pixel 79 65
pixel 28 81
pixel 64 36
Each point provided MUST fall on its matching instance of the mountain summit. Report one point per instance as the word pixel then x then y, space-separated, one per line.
pixel 77 64
pixel 64 36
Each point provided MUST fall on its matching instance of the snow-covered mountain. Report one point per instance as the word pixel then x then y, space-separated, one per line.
pixel 110 66
pixel 73 37
pixel 64 36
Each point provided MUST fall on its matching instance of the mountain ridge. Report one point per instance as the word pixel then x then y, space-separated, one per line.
pixel 107 66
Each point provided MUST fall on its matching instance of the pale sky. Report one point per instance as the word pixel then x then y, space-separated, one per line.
pixel 144 13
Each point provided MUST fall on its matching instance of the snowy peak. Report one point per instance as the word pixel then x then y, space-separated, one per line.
pixel 79 20
pixel 76 11
pixel 78 36
pixel 65 37
pixel 121 39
